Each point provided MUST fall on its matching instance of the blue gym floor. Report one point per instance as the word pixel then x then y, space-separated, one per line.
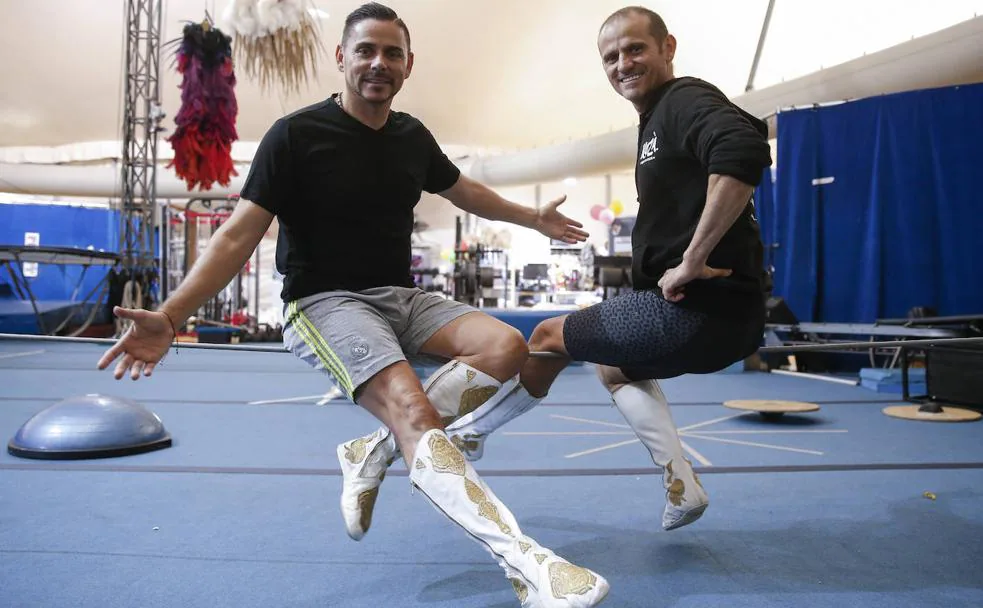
pixel 821 509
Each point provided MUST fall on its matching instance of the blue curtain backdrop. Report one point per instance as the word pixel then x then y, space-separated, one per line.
pixel 876 208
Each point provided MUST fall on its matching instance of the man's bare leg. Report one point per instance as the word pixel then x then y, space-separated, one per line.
pixel 484 354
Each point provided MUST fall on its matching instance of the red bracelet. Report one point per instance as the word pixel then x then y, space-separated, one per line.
pixel 173 328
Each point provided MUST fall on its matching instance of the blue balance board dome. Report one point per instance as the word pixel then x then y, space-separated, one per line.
pixel 91 426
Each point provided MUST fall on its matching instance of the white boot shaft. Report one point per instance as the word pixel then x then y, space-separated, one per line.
pixel 470 431
pixel 645 408
pixel 539 577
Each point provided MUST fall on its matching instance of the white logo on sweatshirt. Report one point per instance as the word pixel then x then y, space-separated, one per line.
pixel 649 149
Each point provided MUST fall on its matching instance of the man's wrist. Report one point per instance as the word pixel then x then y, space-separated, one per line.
pixel 694 258
pixel 170 320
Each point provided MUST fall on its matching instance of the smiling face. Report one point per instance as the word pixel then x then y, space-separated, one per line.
pixel 375 59
pixel 635 60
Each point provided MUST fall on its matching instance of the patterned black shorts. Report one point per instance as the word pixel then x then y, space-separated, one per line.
pixel 649 337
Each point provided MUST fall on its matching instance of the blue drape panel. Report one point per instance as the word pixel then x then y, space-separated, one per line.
pixel 875 208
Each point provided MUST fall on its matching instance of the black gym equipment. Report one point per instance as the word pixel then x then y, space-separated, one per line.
pixel 612 272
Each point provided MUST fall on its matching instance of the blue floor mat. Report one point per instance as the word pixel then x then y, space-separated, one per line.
pixel 242 510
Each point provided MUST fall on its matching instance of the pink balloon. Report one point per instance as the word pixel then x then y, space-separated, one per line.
pixel 596 210
pixel 607 216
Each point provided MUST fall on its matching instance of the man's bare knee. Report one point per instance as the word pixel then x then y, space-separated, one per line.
pixel 502 354
pixel 547 336
pixel 612 377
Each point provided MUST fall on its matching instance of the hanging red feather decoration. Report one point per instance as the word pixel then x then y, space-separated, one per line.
pixel 206 121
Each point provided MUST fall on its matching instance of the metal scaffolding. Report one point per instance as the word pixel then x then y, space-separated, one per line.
pixel 141 125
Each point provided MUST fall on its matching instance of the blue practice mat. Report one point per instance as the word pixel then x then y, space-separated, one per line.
pixel 842 507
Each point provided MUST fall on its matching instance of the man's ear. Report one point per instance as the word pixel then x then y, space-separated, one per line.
pixel 409 64
pixel 669 47
pixel 339 58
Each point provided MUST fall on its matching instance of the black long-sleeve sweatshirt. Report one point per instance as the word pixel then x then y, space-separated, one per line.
pixel 691 131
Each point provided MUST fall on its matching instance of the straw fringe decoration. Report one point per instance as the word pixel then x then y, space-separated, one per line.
pixel 276 41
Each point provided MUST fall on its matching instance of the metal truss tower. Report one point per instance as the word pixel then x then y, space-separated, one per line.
pixel 141 125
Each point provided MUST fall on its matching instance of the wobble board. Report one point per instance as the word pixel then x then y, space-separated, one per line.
pixel 771 408
pixel 948 414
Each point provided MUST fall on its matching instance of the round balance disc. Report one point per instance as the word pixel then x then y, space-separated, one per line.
pixel 92 426
pixel 944 414
pixel 771 408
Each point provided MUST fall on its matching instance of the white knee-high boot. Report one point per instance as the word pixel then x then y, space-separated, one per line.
pixel 470 431
pixel 539 577
pixel 646 410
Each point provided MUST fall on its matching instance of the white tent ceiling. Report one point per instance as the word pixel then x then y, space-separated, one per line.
pixel 489 74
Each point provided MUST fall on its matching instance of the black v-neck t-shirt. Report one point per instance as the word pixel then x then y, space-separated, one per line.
pixel 344 195
pixel 690 131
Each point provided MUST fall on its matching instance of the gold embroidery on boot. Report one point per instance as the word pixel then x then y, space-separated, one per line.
pixel 521 591
pixel 366 502
pixel 472 398
pixel 486 508
pixel 420 464
pixel 567 579
pixel 674 487
pixel 676 491
pixel 355 453
pixel 540 558
pixel 471 374
pixel 524 547
pixel 446 458
pixel 469 445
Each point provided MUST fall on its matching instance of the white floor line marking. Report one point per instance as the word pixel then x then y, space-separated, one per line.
pixel 331 395
pixel 26 353
pixel 709 422
pixel 602 448
pixel 696 455
pixel 846 381
pixel 756 445
pixel 288 400
pixel 783 432
pixel 574 419
pixel 572 433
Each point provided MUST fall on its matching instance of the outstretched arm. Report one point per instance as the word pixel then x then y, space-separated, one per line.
pixel 474 197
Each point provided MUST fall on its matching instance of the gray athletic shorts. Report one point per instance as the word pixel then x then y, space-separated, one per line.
pixel 354 335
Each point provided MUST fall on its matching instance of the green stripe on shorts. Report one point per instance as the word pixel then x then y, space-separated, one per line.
pixel 315 341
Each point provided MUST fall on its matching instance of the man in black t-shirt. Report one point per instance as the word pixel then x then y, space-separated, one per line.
pixel 342 177
pixel 697 269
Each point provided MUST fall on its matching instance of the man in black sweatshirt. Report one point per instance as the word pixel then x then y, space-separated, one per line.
pixel 698 303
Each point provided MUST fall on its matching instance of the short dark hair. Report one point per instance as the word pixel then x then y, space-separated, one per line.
pixel 373 10
pixel 657 27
